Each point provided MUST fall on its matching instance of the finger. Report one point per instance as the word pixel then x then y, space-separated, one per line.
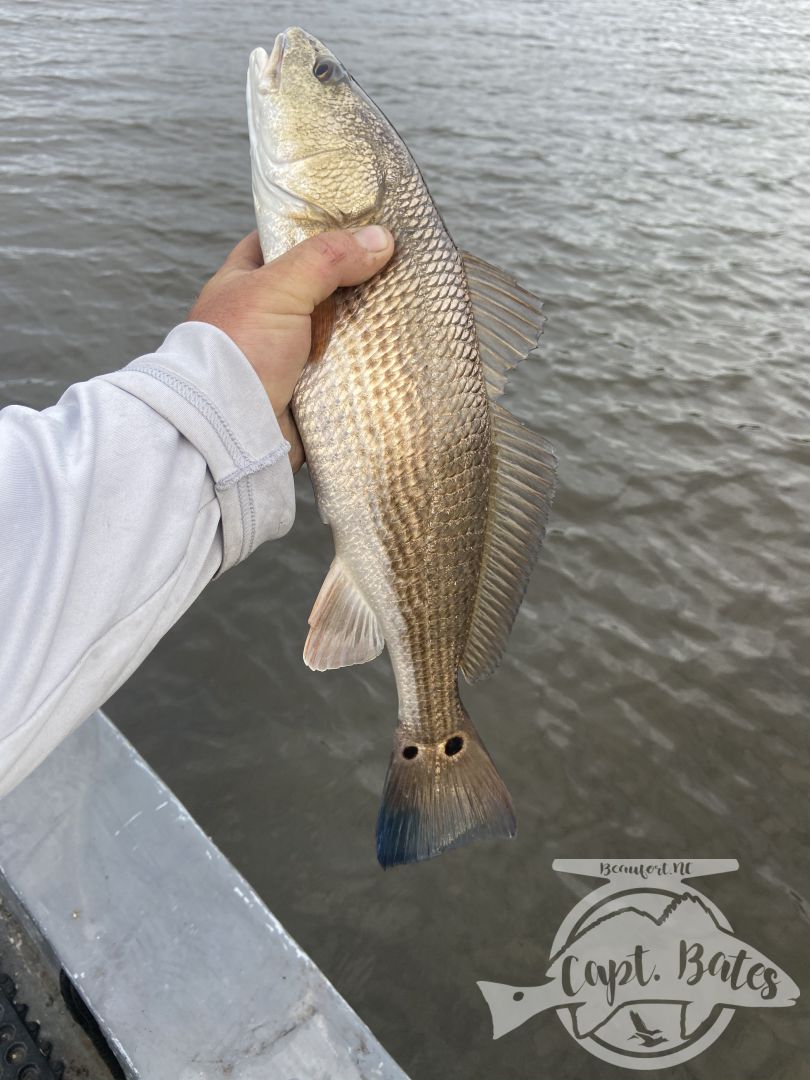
pixel 303 277
pixel 247 255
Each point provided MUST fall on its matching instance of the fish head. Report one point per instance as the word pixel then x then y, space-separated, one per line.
pixel 320 149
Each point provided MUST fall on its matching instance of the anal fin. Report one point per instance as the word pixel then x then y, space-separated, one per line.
pixel 343 628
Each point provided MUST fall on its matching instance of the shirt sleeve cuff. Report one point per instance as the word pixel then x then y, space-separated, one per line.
pixel 202 383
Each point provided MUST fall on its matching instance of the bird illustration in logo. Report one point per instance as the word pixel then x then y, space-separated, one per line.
pixel 646 1036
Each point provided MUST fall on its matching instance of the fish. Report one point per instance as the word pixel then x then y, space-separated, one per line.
pixel 437 497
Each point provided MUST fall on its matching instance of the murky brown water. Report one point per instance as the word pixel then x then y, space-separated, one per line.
pixel 643 167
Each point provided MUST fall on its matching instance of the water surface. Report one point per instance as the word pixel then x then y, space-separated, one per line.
pixel 644 168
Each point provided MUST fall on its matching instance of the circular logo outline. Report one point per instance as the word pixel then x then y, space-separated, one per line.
pixel 707 1032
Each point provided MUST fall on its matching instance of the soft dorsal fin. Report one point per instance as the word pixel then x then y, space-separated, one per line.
pixel 343 628
pixel 509 320
pixel 522 484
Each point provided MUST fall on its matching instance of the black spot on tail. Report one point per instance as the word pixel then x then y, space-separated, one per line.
pixel 440 797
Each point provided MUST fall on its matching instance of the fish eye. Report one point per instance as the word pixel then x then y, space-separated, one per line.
pixel 327 70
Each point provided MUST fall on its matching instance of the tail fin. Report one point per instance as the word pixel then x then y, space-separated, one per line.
pixel 441 796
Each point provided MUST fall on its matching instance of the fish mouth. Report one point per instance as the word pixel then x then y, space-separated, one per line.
pixel 265 71
pixel 264 77
pixel 272 72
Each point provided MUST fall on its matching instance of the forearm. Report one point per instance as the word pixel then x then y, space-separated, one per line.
pixel 118 505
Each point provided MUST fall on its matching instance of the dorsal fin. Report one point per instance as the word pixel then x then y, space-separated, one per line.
pixel 343 628
pixel 522 484
pixel 509 320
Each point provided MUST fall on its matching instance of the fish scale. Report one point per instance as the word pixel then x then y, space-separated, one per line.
pixel 419 428
pixel 419 473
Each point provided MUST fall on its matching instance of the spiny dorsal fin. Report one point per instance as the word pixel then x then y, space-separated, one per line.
pixel 509 320
pixel 343 628
pixel 522 485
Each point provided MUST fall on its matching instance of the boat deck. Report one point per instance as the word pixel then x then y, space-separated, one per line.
pixel 187 973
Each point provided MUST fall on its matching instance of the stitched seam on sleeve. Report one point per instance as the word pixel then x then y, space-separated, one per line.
pixel 251 540
pixel 244 521
pixel 202 404
pixel 254 466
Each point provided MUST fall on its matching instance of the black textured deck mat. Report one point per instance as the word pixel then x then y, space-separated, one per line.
pixel 22 1055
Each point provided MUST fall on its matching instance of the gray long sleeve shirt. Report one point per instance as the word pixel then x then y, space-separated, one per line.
pixel 117 506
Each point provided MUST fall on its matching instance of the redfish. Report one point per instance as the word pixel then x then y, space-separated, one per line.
pixel 436 496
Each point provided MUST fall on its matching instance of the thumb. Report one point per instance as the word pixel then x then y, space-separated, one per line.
pixel 299 280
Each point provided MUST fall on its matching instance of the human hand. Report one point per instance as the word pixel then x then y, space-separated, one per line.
pixel 266 309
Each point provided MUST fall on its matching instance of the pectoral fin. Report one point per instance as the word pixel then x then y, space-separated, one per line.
pixel 323 323
pixel 343 628
pixel 522 485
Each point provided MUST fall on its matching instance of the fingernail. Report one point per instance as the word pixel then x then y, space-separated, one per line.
pixel 373 237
